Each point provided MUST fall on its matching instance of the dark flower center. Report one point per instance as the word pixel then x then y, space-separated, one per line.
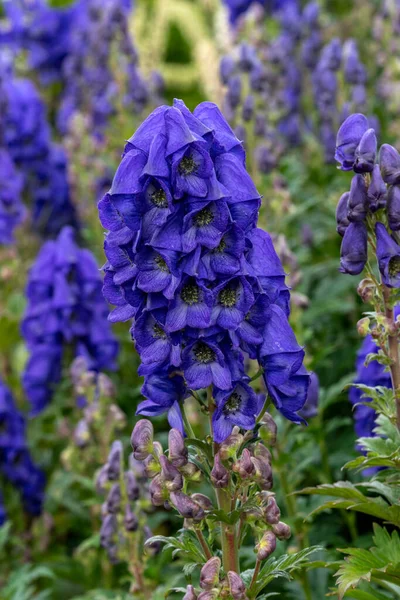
pixel 204 217
pixel 227 297
pixel 159 198
pixel 394 266
pixel 161 264
pixel 187 166
pixel 190 293
pixel 233 403
pixel 203 353
pixel 221 247
pixel 158 332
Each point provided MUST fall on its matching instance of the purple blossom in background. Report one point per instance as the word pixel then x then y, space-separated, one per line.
pixel 16 464
pixel 186 261
pixel 12 211
pixel 65 308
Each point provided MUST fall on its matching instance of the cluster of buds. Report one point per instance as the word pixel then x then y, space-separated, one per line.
pixel 213 587
pixel 124 513
pixel 100 418
pixel 169 475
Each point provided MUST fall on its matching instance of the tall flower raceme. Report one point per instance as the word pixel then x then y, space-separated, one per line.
pixel 41 164
pixel 368 218
pixel 12 211
pixel 16 465
pixel 206 290
pixel 65 309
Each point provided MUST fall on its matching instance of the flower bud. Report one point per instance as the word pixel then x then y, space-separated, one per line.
pixel 248 108
pixel 131 486
pixel 231 445
pixel 219 474
pixel 108 530
pixel 190 593
pixel 102 479
pixel 262 472
pixel 354 249
pixel 393 207
pixel 342 220
pixel 142 439
pixel 114 461
pixel 266 546
pixel 209 574
pixel 268 429
pixel 157 493
pixel 113 501
pixel 365 154
pixel 389 162
pixel 209 595
pixel 244 466
pixel 151 466
pixel 272 513
pixel 357 204
pixel 363 326
pixel 191 472
pixel 203 501
pixel 177 451
pixel 282 531
pixel 170 475
pixel 376 193
pixel 131 522
pixel 187 507
pixel 236 586
pixel 366 289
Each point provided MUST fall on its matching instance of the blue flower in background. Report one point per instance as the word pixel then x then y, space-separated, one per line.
pixel 12 211
pixel 16 464
pixel 65 308
pixel 186 260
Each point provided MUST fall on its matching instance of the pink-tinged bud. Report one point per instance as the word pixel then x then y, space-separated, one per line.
pixel 131 522
pixel 219 474
pixel 253 514
pixel 262 472
pixel 177 451
pixel 260 450
pixel 244 466
pixel 266 546
pixel 190 593
pixel 363 327
pixel 268 429
pixel 157 493
pixel 131 486
pixel 188 508
pixel 191 472
pixel 203 500
pixel 229 448
pixel 209 595
pixel 236 586
pixel 282 531
pixel 113 501
pixel 209 574
pixel 170 475
pixel 366 289
pixel 114 461
pixel 142 439
pixel 157 450
pixel 151 466
pixel 272 513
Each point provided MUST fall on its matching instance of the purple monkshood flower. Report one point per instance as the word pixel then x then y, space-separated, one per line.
pixel 12 211
pixel 238 406
pixel 65 307
pixel 348 139
pixel 16 464
pixel 186 261
pixel 354 249
pixel 164 393
pixel 389 162
pixel 388 254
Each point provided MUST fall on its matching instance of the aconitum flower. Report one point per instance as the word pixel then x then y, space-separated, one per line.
pixel 388 255
pixel 187 262
pixel 16 464
pixel 65 308
pixel 348 139
pixel 354 249
pixel 12 211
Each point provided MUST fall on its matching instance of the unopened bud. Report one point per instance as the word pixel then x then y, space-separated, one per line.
pixel 244 466
pixel 228 448
pixel 188 508
pixel 131 522
pixel 363 327
pixel 152 466
pixel 191 472
pixel 272 513
pixel 282 531
pixel 262 472
pixel 102 479
pixel 177 451
pixel 190 593
pixel 158 494
pixel 209 595
pixel 219 474
pixel 209 574
pixel 170 475
pixel 113 501
pixel 131 486
pixel 268 429
pixel 236 586
pixel 266 546
pixel 108 530
pixel 142 439
pixel 366 289
pixel 114 461
pixel 203 500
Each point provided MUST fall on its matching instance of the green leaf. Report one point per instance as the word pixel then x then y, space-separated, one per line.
pixel 381 562
pixel 5 532
pixel 363 595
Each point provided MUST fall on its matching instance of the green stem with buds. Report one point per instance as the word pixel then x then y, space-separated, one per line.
pixel 393 344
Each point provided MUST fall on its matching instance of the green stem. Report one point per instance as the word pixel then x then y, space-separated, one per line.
pixel 230 556
pixel 251 591
pixel 203 542
pixel 186 421
pixel 393 353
